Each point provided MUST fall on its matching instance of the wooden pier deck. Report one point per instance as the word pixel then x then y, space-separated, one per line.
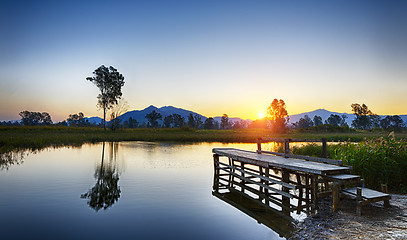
pixel 290 177
pixel 267 160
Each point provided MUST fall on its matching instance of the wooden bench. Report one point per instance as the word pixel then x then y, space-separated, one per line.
pixel 365 196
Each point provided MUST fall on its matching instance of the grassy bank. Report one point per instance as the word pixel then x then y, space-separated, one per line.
pixel 39 137
pixel 377 160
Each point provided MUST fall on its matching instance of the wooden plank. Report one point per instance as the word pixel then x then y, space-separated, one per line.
pixel 308 158
pixel 289 139
pixel 343 177
pixel 265 160
pixel 367 193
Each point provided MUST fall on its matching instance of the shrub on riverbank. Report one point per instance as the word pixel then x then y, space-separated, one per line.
pixel 381 160
pixel 377 160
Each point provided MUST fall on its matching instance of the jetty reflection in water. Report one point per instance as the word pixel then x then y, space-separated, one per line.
pixel 106 190
pixel 270 209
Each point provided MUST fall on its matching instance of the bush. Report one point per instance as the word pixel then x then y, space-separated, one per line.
pixel 377 161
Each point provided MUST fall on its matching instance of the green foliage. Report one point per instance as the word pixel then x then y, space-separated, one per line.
pixel 209 123
pixel 312 149
pixel 378 161
pixel 365 119
pixel 194 121
pixel 394 123
pixel 76 120
pixel 304 122
pixel 35 118
pixel 336 120
pixel 317 120
pixel 152 119
pixel 278 116
pixel 110 82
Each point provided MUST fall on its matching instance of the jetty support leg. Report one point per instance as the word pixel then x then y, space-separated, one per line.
pixel 384 190
pixel 285 200
pixel 335 196
pixel 314 192
pixel 359 201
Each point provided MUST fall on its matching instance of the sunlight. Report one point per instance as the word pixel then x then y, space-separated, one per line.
pixel 261 115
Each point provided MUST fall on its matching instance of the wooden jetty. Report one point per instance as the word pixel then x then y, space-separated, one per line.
pixel 289 176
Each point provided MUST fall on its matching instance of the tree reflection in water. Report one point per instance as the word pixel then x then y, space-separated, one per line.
pixel 106 190
pixel 16 157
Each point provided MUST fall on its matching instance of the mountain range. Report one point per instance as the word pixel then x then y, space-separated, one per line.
pixel 139 115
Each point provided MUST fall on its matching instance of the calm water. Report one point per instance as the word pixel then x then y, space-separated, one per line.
pixel 126 190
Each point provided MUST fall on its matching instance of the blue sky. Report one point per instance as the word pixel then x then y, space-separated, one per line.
pixel 212 57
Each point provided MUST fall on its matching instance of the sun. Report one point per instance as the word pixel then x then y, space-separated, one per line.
pixel 261 115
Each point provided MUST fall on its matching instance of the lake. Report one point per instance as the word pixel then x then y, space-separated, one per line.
pixel 126 190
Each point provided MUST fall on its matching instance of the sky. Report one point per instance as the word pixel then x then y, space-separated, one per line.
pixel 210 57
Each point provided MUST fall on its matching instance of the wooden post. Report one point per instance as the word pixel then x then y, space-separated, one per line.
pixel 307 192
pixel 324 155
pixel 384 189
pixel 233 170
pixel 335 197
pixel 216 172
pixel 216 163
pixel 287 146
pixel 230 175
pixel 259 145
pixel 243 181
pixel 300 197
pixel 314 192
pixel 285 200
pixel 266 191
pixel 359 201
pixel 261 180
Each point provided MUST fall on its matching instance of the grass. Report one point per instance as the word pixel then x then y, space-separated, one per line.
pixel 378 161
pixel 45 136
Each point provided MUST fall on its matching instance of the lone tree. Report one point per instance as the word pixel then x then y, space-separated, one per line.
pixel 277 115
pixel 110 82
pixel 363 118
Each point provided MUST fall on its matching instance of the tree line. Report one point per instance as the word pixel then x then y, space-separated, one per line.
pixel 365 119
pixel 110 81
pixel 277 120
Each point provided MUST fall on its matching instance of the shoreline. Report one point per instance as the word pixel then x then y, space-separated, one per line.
pixel 376 222
pixel 46 136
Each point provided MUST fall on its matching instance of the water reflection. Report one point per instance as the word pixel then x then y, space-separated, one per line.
pixel 256 203
pixel 106 190
pixel 8 159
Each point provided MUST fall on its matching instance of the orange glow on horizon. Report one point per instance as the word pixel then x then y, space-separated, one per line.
pixel 261 115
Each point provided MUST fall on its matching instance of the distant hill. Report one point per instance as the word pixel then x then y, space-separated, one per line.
pixel 94 120
pixel 248 121
pixel 324 114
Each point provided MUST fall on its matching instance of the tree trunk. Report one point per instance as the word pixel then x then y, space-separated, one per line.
pixel 104 118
